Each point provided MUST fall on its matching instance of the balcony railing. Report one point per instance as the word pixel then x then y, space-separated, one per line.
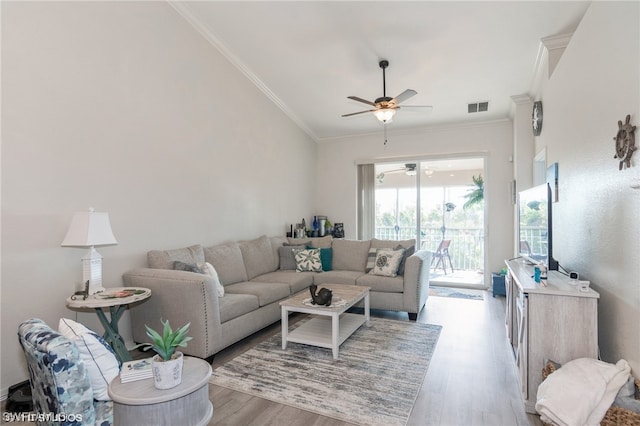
pixel 466 249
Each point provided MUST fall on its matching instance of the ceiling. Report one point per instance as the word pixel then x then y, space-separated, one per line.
pixel 309 56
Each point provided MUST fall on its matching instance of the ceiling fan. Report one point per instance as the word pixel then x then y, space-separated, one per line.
pixel 385 107
pixel 409 169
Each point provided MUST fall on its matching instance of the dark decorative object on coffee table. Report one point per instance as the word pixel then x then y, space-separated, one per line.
pixel 322 297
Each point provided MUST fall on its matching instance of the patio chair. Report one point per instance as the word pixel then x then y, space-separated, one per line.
pixel 441 254
pixel 525 249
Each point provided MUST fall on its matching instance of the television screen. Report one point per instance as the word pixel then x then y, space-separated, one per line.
pixel 533 216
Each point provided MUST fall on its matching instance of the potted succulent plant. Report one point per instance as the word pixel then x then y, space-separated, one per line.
pixel 167 364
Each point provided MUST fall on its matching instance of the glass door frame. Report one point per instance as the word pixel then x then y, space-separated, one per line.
pixel 418 182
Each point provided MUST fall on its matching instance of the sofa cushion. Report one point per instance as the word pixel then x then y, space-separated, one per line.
pixel 387 262
pixel 227 260
pixel 164 259
pixel 410 245
pixel 98 357
pixel 265 292
pixel 408 252
pixel 337 277
pixel 350 255
pixel 326 258
pixel 297 281
pixel 371 259
pixel 188 267
pixel 287 259
pixel 315 242
pixel 235 305
pixel 211 271
pixel 308 260
pixel 382 284
pixel 276 243
pixel 258 256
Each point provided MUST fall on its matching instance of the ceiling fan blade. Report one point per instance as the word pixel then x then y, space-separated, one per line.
pixel 356 113
pixel 404 96
pixel 364 101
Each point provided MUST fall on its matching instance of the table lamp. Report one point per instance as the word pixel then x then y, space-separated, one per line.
pixel 90 229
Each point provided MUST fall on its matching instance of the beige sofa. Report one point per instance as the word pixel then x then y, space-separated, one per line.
pixel 255 281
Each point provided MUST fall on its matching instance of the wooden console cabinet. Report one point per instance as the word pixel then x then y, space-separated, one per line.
pixel 554 322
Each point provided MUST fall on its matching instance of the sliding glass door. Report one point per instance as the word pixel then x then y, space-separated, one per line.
pixel 437 202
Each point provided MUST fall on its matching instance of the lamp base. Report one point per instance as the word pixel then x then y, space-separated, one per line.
pixel 92 271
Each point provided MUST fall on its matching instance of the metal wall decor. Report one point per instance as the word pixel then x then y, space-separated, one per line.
pixel 625 142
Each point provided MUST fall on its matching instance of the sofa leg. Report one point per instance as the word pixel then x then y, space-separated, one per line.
pixel 209 359
pixel 412 316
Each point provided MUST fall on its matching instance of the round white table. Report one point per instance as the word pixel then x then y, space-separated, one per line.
pixel 116 299
pixel 140 403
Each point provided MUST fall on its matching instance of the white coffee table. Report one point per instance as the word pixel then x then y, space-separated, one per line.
pixel 331 325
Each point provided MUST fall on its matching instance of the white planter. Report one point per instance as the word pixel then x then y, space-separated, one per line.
pixel 167 374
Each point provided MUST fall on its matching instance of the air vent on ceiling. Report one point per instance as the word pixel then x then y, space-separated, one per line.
pixel 478 107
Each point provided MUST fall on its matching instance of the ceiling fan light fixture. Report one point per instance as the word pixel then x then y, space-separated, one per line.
pixel 411 172
pixel 385 115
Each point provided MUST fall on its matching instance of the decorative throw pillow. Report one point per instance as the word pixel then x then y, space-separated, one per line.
pixel 98 357
pixel 308 260
pixel 181 266
pixel 287 260
pixel 326 258
pixel 211 271
pixel 408 252
pixel 371 259
pixel 387 262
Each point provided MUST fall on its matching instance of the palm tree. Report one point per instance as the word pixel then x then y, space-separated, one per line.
pixel 475 195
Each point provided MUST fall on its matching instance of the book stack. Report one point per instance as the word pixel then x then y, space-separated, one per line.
pixel 138 369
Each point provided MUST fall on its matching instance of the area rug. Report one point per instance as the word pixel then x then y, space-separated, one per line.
pixel 375 381
pixel 460 293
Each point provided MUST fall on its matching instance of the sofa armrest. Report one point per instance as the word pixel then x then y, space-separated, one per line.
pixel 180 297
pixel 416 280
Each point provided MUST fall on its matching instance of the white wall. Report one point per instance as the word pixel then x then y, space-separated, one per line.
pixel 596 226
pixel 337 160
pixel 124 107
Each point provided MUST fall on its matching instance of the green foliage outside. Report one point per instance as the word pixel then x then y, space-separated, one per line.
pixel 475 195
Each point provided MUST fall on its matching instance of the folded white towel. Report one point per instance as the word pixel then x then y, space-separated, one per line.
pixel 580 392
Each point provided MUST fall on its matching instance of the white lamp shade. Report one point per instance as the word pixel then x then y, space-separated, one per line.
pixel 385 114
pixel 89 229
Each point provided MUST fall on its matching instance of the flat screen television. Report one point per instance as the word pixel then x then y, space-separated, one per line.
pixel 535 226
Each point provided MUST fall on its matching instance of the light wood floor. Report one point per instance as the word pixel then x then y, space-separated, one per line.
pixel 471 379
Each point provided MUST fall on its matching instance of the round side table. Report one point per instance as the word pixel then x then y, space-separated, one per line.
pixel 140 403
pixel 116 299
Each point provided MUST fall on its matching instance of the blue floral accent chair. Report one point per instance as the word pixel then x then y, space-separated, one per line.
pixel 60 387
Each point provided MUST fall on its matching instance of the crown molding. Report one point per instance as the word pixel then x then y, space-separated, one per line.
pixel 556 42
pixel 521 99
pixel 517 100
pixel 550 51
pixel 186 13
